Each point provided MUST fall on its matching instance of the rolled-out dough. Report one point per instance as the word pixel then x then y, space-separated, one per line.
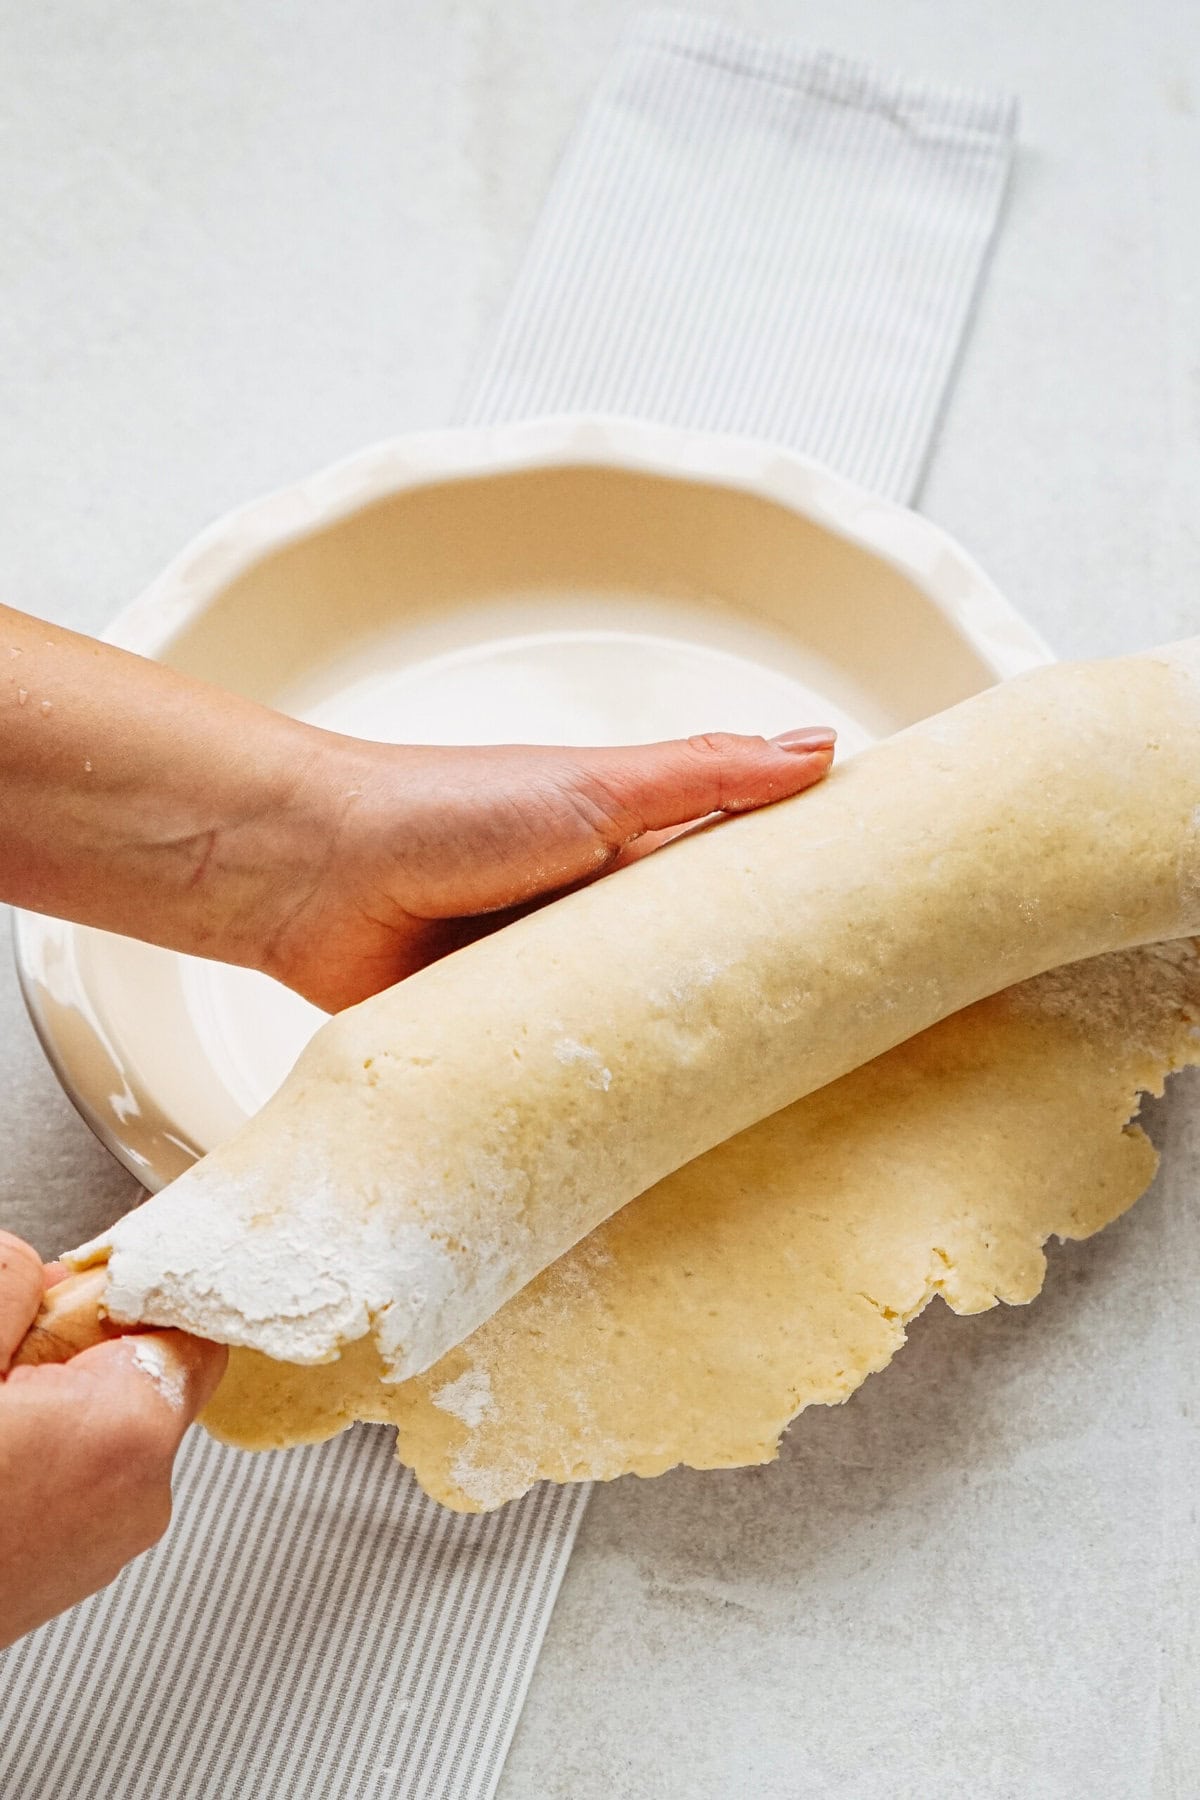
pixel 781 1269
pixel 438 1146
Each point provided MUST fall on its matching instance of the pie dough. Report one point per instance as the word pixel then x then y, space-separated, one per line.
pixel 439 1145
pixel 781 1269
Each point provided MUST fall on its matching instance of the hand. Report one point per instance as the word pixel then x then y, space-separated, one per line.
pixel 143 801
pixel 86 1449
pixel 423 849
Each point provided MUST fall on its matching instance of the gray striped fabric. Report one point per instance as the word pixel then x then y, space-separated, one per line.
pixel 312 1626
pixel 759 239
pixel 741 237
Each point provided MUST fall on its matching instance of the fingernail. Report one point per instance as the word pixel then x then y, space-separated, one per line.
pixel 814 737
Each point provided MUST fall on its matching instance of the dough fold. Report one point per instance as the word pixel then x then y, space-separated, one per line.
pixel 781 1269
pixel 438 1146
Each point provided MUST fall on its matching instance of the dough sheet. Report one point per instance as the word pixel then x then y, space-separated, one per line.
pixel 439 1145
pixel 781 1269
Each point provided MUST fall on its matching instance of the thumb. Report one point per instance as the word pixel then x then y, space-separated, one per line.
pixel 164 1377
pixel 586 810
pixel 655 786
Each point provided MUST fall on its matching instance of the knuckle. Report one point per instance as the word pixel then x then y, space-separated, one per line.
pixel 720 746
pixel 601 811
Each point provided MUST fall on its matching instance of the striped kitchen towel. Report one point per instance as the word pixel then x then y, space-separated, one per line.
pixel 744 237
pixel 754 238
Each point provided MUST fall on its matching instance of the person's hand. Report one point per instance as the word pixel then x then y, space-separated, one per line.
pixel 411 852
pixel 86 1449
pixel 144 801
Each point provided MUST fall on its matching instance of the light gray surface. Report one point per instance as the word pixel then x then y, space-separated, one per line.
pixel 240 239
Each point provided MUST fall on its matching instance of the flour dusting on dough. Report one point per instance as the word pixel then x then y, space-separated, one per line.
pixel 780 1271
pixel 157 1363
pixel 570 1050
pixel 1129 995
pixel 684 992
pixel 469 1398
pixel 487 1486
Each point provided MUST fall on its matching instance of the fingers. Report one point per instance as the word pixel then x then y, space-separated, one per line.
pixel 619 805
pixel 530 821
pixel 443 844
pixel 500 826
pixel 158 1379
pixel 655 786
pixel 86 1453
pixel 22 1285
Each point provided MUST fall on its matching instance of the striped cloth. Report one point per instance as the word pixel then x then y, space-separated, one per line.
pixel 753 238
pixel 313 1626
pixel 741 237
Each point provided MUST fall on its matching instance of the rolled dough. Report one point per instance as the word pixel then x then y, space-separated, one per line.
pixel 438 1146
pixel 781 1269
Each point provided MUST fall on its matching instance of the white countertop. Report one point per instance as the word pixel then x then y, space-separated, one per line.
pixel 241 238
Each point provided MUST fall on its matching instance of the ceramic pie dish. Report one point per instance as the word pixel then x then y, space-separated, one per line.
pixel 587 580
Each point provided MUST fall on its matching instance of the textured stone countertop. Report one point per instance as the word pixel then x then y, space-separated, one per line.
pixel 241 238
